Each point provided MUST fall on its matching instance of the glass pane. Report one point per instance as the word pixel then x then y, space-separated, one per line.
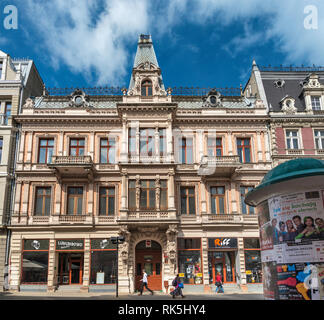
pixel 102 206
pixel 49 155
pixel 39 206
pixel 189 156
pixel 81 152
pixel 183 205
pixel 247 155
pixel 152 198
pixel 163 199
pixel 239 152
pixel 103 155
pixel 47 206
pixel 143 199
pixel 42 155
pixel 81 142
pixel 103 267
pixel 73 142
pixel 111 155
pixel 213 205
pixel 192 209
pixel 34 267
pixel 73 152
pixel 79 205
pixel 189 262
pixel 111 206
pixel 220 190
pixel 70 205
pixel 111 191
pixel 295 141
pixel 103 142
pixel 132 199
pixel 221 205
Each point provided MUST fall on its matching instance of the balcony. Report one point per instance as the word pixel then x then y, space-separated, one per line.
pixel 72 166
pixel 230 219
pixel 218 165
pixel 148 216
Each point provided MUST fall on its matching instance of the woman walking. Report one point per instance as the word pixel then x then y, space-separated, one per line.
pixel 219 283
pixel 178 287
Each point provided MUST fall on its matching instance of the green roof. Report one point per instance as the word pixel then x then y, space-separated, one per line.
pixel 293 169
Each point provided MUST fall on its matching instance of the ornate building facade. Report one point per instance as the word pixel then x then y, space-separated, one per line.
pixel 294 98
pixel 165 168
pixel 18 79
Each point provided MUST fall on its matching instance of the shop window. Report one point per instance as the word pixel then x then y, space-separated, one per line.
pixel 217 200
pixel 103 267
pixel 189 260
pixel 43 201
pixel 252 255
pixel 214 147
pixel 244 149
pixel 45 151
pixel 188 205
pixel 107 150
pixel 106 201
pixel 35 262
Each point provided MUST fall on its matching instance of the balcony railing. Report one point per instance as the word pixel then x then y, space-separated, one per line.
pixel 148 215
pixel 71 160
pixel 210 165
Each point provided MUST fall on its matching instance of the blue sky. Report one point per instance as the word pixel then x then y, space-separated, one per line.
pixel 205 43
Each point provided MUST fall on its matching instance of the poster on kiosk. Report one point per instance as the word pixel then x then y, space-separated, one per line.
pixel 292 244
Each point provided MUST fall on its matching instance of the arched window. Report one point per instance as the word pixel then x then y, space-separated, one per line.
pixel 146 88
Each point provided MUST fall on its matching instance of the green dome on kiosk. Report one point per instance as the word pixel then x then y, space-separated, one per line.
pixel 293 169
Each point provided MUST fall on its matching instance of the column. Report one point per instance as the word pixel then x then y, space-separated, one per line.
pixel 61 144
pixel 233 195
pixel 203 197
pixel 17 198
pixel 90 199
pixel 169 141
pixel 52 271
pixel 29 146
pixel 15 262
pixel 124 206
pixel 123 155
pixel 201 145
pixel 242 280
pixel 91 145
pixel 230 145
pixel 157 192
pixel 171 190
pixel 157 143
pixel 22 147
pixel 267 145
pixel 86 266
pixel 25 197
pixel 259 146
pixel 204 248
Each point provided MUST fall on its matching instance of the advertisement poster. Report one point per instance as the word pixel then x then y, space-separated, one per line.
pixel 292 244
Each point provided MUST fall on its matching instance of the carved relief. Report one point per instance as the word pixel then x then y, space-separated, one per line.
pixel 171 249
pixel 124 247
pixel 288 105
pixel 29 104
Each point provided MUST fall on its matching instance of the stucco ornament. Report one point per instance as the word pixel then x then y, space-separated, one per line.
pixel 28 104
pixel 124 247
pixel 212 100
pixel 171 249
pixel 288 105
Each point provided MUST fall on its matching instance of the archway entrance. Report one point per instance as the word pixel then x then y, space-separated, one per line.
pixel 148 257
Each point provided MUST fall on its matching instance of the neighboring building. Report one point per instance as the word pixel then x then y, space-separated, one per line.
pixel 167 169
pixel 18 79
pixel 294 97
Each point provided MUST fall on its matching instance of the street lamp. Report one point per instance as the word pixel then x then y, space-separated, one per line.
pixel 117 240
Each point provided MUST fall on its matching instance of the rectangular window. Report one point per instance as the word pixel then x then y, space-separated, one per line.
pixel 75 197
pixel 244 149
pixel 214 147
pixel 316 102
pixel 34 267
pixel 43 201
pixel 188 205
pixel 163 195
pixel 186 147
pixel 77 147
pixel 107 150
pixel 7 112
pixel 319 139
pixel 245 208
pixel 292 139
pixel 103 266
pixel 217 200
pixel 45 152
pixel 1 145
pixel 252 255
pixel 162 135
pixel 132 194
pixel 132 141
pixel 106 201
pixel 189 260
pixel 147 142
pixel 1 68
pixel 147 195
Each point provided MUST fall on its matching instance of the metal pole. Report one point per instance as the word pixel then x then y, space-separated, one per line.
pixel 117 272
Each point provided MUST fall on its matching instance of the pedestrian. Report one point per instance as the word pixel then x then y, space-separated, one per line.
pixel 219 283
pixel 144 284
pixel 178 285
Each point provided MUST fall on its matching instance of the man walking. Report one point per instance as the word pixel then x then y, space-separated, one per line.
pixel 144 284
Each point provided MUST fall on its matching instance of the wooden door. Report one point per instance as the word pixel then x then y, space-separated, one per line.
pixel 151 262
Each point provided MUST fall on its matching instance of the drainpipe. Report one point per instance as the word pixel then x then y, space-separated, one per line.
pixel 12 190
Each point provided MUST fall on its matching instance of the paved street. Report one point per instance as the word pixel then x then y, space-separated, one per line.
pixel 105 296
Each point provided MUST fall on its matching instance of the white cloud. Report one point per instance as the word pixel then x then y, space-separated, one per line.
pixel 92 36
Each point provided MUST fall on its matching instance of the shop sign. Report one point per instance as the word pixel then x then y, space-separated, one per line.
pixel 101 244
pixel 148 244
pixel 181 275
pixel 199 275
pixel 69 244
pixel 36 244
pixel 215 243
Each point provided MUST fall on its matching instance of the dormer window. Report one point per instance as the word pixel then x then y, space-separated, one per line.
pixel 316 102
pixel 147 88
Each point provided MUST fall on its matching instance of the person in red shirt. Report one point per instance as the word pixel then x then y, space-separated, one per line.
pixel 219 283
